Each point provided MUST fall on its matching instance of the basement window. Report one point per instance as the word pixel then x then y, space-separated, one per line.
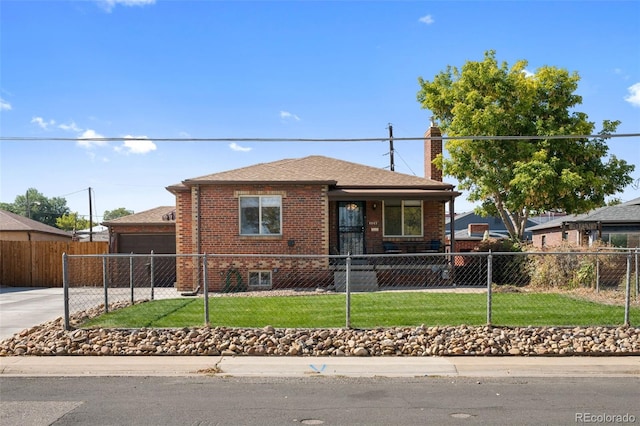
pixel 261 279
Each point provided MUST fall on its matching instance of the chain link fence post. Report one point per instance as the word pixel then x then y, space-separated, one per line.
pixel 637 278
pixel 105 284
pixel 627 295
pixel 152 276
pixel 65 289
pixel 489 281
pixel 347 288
pixel 205 287
pixel 597 271
pixel 131 278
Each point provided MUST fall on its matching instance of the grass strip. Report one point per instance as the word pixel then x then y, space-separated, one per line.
pixel 370 310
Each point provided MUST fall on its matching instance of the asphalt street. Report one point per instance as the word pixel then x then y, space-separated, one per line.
pixel 212 400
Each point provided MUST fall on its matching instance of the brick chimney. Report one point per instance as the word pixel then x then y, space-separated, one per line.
pixel 477 229
pixel 432 148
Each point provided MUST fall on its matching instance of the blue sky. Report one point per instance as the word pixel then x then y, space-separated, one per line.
pixel 269 69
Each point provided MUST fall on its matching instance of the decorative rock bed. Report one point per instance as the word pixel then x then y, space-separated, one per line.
pixel 52 339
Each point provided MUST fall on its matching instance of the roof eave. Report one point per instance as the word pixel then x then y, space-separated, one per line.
pixel 382 193
pixel 191 182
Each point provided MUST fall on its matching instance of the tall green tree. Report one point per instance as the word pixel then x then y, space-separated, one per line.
pixel 114 214
pixel 37 206
pixel 72 221
pixel 517 178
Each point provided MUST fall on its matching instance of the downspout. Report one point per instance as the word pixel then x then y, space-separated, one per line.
pixel 195 207
pixel 195 243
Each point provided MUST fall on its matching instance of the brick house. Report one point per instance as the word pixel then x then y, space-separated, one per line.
pixel 617 225
pixel 314 205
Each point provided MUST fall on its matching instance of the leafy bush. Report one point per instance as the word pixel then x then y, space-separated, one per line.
pixel 506 269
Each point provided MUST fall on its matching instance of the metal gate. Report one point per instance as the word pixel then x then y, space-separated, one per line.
pixel 351 227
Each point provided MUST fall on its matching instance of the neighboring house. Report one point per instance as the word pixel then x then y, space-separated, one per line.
pixel 143 233
pixel 471 229
pixel 617 225
pixel 97 233
pixel 14 227
pixel 313 206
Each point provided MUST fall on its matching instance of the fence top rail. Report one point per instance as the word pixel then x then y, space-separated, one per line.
pixel 354 256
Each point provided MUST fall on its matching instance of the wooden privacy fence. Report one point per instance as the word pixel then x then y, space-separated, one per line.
pixel 39 263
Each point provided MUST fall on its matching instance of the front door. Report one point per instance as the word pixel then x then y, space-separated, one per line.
pixel 351 227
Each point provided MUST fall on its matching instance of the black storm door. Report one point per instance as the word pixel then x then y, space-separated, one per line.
pixel 351 227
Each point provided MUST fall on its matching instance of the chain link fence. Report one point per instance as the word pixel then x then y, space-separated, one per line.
pixel 365 291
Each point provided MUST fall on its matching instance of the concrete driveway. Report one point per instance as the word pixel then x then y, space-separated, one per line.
pixel 25 307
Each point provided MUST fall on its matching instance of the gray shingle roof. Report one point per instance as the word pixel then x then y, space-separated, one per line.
pixel 628 212
pixel 14 222
pixel 158 215
pixel 319 169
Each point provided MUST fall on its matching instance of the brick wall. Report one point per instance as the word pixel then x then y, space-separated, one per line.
pixel 309 226
pixel 216 229
pixel 554 239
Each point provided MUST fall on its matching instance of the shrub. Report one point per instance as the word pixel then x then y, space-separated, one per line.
pixel 506 269
pixel 568 267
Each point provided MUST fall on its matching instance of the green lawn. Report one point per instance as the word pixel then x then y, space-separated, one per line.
pixel 369 310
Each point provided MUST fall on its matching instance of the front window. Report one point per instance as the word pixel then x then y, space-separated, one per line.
pixel 260 215
pixel 403 218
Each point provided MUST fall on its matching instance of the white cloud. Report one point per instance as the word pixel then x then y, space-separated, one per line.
pixel 634 95
pixel 4 105
pixel 184 135
pixel 427 19
pixel 234 146
pixel 71 127
pixel 136 145
pixel 87 139
pixel 108 5
pixel 528 73
pixel 42 123
pixel 620 72
pixel 285 115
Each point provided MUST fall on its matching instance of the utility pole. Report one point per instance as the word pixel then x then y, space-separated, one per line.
pixel 90 218
pixel 392 165
pixel 28 205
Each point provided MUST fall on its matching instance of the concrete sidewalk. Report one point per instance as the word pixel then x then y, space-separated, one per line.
pixel 99 366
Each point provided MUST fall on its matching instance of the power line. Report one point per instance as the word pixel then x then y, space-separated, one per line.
pixel 380 139
pixel 72 193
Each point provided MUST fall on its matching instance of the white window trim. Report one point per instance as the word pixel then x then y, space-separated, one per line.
pixel 269 285
pixel 259 196
pixel 402 220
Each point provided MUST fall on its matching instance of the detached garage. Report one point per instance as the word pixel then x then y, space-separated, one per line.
pixel 145 232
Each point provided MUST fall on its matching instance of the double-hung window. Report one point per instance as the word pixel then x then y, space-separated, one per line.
pixel 403 218
pixel 261 215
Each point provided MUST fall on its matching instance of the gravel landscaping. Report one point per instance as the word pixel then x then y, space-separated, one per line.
pixel 52 339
